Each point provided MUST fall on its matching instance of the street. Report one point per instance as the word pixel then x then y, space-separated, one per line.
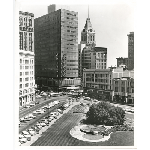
pixel 30 123
pixel 23 112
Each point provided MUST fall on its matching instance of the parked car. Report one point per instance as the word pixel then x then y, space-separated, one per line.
pixel 22 119
pixel 31 116
pixel 36 129
pixel 66 105
pixel 87 98
pixel 38 96
pixel 95 100
pixel 22 139
pixel 44 110
pixel 64 93
pixel 38 125
pixel 54 115
pixel 45 107
pixel 50 118
pixel 60 111
pixel 37 102
pixel 45 121
pixel 27 106
pixel 39 111
pixel 34 112
pixel 31 131
pixel 27 118
pixel 32 104
pixel 42 124
pixel 56 102
pixel 27 135
pixel 127 109
pixel 132 110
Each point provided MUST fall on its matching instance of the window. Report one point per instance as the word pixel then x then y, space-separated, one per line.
pixel 20 79
pixel 20 73
pixel 27 84
pixel 116 89
pixel 123 83
pixel 30 22
pixel 20 86
pixel 122 89
pixel 26 67
pixel 26 79
pixel 128 89
pixel 26 73
pixel 26 61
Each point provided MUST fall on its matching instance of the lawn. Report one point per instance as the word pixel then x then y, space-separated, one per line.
pixel 58 134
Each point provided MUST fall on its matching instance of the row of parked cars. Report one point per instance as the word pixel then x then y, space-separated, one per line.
pixel 26 135
pixel 37 112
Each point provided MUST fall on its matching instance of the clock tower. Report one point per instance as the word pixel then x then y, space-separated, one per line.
pixel 88 34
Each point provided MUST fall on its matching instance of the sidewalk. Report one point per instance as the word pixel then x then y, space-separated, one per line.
pixel 35 137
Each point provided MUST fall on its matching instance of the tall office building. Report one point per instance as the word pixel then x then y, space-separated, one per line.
pixel 56 47
pixel 90 57
pixel 131 51
pixel 26 58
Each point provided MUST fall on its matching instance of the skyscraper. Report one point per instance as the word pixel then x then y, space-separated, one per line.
pixel 56 47
pixel 90 57
pixel 131 51
pixel 26 58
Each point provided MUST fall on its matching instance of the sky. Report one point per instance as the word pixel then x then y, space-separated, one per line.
pixel 111 20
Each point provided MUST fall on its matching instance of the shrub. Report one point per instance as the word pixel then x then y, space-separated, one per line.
pixel 106 114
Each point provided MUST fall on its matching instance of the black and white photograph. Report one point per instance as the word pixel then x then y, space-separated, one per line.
pixel 75 74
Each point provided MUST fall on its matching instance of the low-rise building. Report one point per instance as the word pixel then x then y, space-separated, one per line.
pixel 115 84
pixel 123 89
pixel 98 82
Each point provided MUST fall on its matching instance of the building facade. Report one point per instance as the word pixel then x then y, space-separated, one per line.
pixel 131 51
pixel 94 58
pixel 100 58
pixel 98 82
pixel 26 58
pixel 123 85
pixel 119 72
pixel 56 47
pixel 115 84
pixel 123 89
pixel 122 61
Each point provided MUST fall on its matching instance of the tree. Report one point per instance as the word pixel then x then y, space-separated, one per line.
pixel 105 114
